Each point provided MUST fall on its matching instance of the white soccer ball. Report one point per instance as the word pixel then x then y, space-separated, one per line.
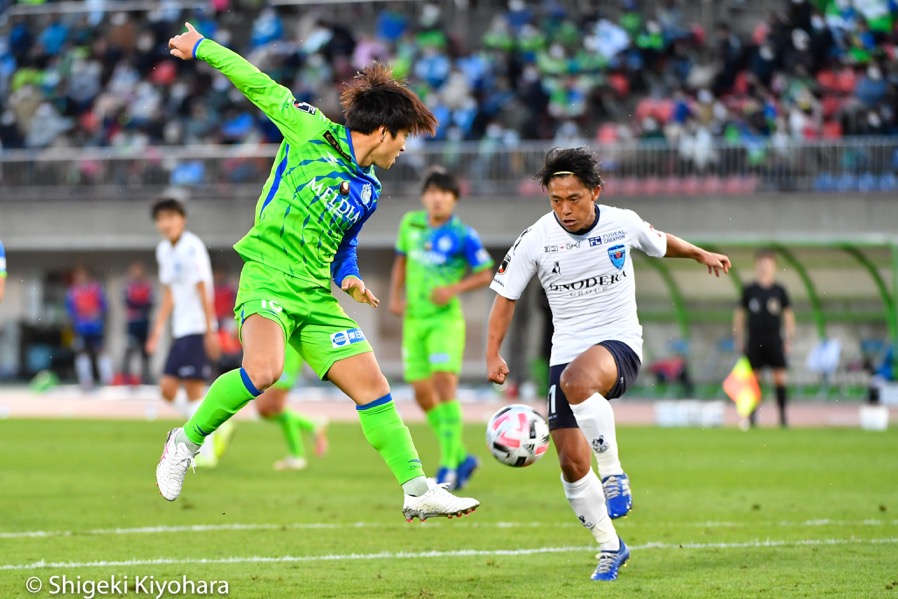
pixel 517 435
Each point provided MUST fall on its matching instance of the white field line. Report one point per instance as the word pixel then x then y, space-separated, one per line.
pixel 356 525
pixel 436 554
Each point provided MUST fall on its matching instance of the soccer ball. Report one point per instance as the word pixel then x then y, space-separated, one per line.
pixel 517 435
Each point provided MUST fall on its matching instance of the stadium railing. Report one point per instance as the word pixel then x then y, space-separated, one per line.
pixel 850 165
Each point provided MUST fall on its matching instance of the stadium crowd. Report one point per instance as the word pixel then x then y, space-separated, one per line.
pixel 812 69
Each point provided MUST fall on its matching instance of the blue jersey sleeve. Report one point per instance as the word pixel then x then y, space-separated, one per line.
pixel 475 254
pixel 346 260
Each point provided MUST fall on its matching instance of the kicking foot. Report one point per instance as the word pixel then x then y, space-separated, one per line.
pixel 172 468
pixel 437 501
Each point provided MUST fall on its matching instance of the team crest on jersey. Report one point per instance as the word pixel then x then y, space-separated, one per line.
pixel 618 255
pixel 366 193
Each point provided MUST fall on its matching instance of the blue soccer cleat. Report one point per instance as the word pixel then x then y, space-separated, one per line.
pixel 610 562
pixel 448 477
pixel 617 495
pixel 466 470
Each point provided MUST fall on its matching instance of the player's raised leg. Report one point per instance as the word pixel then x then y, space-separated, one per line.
pixel 585 382
pixel 360 378
pixel 263 361
pixel 585 494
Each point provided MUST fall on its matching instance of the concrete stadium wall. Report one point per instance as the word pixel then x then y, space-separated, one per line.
pixel 50 237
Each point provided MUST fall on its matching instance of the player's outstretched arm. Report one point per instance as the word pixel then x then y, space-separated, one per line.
pixel 275 100
pixel 680 248
pixel 497 327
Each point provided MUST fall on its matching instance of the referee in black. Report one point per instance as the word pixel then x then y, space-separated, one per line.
pixel 764 327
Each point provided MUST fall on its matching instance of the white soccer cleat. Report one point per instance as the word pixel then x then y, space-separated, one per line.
pixel 291 462
pixel 172 468
pixel 437 501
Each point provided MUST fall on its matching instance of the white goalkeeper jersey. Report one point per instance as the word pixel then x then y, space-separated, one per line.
pixel 588 278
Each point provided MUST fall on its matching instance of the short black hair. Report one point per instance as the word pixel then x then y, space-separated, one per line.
pixel 579 162
pixel 374 98
pixel 765 253
pixel 168 205
pixel 442 180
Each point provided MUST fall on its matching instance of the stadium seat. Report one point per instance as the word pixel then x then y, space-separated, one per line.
pixel 846 81
pixel 867 182
pixel 846 182
pixel 825 182
pixel 830 105
pixel 712 184
pixel 887 182
pixel 672 185
pixel 831 130
pixel 826 79
pixel 627 186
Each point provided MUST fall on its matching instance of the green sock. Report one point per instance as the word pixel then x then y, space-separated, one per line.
pixel 230 392
pixel 434 416
pixel 387 434
pixel 292 432
pixel 435 419
pixel 453 423
pixel 300 421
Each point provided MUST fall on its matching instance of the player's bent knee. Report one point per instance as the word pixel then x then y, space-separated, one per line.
pixel 262 375
pixel 576 384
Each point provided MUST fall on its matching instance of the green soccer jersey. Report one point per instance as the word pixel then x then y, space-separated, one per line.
pixel 316 198
pixel 437 257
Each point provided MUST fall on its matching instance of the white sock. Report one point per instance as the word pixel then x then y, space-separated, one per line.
pixel 587 499
pixel 596 419
pixel 104 365
pixel 84 370
pixel 415 487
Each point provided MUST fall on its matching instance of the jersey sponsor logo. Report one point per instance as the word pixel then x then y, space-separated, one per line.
pixel 444 244
pixel 367 190
pixel 330 139
pixel 594 241
pixel 618 255
pixel 616 236
pixel 334 203
pixel 588 286
pixel 305 107
pixel 561 247
pixel 428 257
pixel 347 337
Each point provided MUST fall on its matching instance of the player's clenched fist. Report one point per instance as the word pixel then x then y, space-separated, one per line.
pixel 181 46
pixel 496 369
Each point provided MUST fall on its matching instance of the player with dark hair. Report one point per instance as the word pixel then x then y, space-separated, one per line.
pixel 581 253
pixel 765 314
pixel 321 190
pixel 185 272
pixel 438 258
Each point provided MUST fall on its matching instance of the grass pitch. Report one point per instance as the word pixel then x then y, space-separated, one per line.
pixel 718 513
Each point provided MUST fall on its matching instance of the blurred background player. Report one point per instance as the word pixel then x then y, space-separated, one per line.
pixel 434 252
pixel 272 406
pixel 185 273
pixel 321 190
pixel 86 305
pixel 581 252
pixel 139 298
pixel 2 271
pixel 764 328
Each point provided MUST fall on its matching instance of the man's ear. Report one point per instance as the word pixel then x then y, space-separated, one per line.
pixel 597 193
pixel 383 132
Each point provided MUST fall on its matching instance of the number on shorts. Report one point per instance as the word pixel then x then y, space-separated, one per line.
pixel 552 399
pixel 272 305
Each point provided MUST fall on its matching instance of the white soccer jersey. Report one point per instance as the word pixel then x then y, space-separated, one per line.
pixel 588 278
pixel 181 267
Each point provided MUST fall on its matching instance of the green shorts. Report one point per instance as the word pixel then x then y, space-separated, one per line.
pixel 292 370
pixel 432 345
pixel 313 322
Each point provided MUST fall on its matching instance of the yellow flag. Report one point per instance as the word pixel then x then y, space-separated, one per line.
pixel 742 387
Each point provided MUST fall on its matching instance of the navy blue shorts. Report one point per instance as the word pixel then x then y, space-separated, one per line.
pixel 187 359
pixel 628 364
